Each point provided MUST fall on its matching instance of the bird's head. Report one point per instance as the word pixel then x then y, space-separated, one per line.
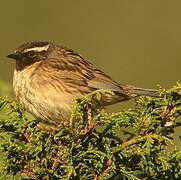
pixel 31 52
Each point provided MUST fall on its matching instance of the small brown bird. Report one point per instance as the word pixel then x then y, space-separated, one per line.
pixel 48 77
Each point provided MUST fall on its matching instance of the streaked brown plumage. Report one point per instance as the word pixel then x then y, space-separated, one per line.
pixel 48 77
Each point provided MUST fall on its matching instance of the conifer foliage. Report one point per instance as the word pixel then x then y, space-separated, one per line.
pixel 131 144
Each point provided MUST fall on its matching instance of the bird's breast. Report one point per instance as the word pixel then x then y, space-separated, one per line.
pixel 41 98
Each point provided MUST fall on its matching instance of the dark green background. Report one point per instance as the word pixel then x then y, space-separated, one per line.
pixel 135 41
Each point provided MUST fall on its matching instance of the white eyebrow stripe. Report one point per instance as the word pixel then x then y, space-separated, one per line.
pixel 37 49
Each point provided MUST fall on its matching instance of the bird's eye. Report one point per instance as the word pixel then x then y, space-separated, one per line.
pixel 31 54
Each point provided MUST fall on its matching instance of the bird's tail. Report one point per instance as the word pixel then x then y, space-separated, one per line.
pixel 133 91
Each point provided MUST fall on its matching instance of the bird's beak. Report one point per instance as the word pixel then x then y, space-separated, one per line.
pixel 15 55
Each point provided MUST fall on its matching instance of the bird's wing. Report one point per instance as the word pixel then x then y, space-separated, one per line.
pixel 76 75
pixel 76 68
pixel 102 81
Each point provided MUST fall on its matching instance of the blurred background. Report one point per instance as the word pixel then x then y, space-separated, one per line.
pixel 135 42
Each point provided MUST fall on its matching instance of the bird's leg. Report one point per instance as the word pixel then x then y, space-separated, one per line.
pixel 90 122
pixel 26 135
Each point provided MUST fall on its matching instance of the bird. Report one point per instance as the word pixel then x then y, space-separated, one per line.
pixel 49 77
